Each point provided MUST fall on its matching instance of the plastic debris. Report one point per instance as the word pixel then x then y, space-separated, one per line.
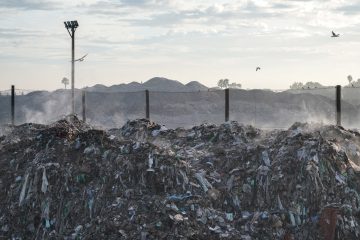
pixel 68 180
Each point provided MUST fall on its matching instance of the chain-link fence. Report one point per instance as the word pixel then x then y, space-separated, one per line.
pixel 260 108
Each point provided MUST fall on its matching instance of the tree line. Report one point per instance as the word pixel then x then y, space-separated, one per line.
pixel 314 85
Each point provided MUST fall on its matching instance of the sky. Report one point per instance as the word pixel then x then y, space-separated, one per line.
pixel 188 40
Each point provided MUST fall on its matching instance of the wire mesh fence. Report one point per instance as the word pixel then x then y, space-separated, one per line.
pixel 40 107
pixel 351 107
pixel 185 109
pixel 310 106
pixel 261 108
pixel 5 107
pixel 113 109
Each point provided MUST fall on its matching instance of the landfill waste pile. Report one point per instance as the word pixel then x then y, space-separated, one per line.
pixel 68 180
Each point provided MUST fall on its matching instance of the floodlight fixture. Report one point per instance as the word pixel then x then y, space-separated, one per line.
pixel 71 24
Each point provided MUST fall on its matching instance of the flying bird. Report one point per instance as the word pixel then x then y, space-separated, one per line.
pixel 258 68
pixel 81 59
pixel 334 34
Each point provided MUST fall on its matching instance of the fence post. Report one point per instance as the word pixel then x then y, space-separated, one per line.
pixel 13 105
pixel 147 104
pixel 227 105
pixel 338 105
pixel 83 106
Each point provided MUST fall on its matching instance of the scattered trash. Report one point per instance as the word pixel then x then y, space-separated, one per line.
pixel 68 180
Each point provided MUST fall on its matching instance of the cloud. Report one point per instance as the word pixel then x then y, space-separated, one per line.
pixel 352 9
pixel 205 15
pixel 28 4
pixel 108 7
pixel 17 33
pixel 282 6
pixel 136 2
pixel 135 32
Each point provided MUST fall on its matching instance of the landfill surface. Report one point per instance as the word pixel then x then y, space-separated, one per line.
pixel 68 180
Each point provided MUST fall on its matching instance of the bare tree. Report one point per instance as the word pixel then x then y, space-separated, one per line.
pixel 221 83
pixel 312 85
pixel 349 78
pixel 308 85
pixel 235 85
pixel 225 83
pixel 355 83
pixel 65 81
pixel 297 85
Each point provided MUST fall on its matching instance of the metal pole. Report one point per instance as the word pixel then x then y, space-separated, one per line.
pixel 83 106
pixel 227 105
pixel 73 71
pixel 13 105
pixel 338 105
pixel 147 104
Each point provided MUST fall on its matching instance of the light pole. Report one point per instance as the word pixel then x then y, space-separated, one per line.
pixel 71 27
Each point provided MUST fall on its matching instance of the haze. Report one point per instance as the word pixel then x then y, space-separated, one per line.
pixel 135 40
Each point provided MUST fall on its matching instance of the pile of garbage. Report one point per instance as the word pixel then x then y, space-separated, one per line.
pixel 143 181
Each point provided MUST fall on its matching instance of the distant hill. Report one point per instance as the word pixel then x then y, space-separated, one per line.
pixel 153 84
pixel 197 86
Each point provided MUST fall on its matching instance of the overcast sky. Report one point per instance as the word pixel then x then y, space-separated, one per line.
pixel 202 40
